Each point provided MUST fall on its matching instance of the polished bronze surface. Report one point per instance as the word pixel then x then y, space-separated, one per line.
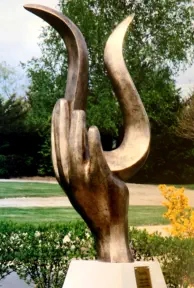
pixel 128 158
pixel 77 78
pixel 92 178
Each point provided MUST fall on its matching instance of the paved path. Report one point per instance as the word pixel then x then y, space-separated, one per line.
pixel 35 202
pixel 155 228
pixel 140 194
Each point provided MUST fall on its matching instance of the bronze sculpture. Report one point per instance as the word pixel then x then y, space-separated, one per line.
pixel 93 179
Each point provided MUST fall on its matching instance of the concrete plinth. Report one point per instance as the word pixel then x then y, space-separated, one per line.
pixel 96 274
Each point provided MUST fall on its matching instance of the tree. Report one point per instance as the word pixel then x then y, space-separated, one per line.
pixel 12 113
pixel 19 140
pixel 10 81
pixel 185 127
pixel 161 38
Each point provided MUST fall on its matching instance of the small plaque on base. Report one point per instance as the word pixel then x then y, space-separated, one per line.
pixel 143 279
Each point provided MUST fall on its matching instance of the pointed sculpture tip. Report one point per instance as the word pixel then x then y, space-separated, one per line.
pixel 132 15
pixel 130 18
pixel 127 21
pixel 32 7
pixel 28 6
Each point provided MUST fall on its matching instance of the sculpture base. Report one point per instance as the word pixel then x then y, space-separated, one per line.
pixel 96 274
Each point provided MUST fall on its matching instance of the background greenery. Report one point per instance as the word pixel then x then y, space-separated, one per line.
pixel 42 254
pixel 159 42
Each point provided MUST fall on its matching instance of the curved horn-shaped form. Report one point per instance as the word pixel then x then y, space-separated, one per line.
pixel 77 79
pixel 127 159
pixel 133 151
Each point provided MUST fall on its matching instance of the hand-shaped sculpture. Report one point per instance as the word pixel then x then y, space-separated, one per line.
pixel 81 169
pixel 92 178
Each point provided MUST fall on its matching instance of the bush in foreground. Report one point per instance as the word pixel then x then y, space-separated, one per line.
pixel 179 212
pixel 42 254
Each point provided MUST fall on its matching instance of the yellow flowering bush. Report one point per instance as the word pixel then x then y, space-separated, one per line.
pixel 180 214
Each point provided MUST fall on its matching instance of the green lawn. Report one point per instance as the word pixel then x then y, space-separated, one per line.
pixel 147 215
pixel 14 189
pixel 187 186
pixel 138 215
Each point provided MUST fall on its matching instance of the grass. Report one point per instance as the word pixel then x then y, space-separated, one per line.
pixel 147 215
pixel 30 189
pixel 186 186
pixel 138 215
pixel 15 189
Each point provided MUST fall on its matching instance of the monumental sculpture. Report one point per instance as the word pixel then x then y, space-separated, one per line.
pixel 92 178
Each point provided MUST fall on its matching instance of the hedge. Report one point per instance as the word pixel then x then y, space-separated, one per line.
pixel 41 254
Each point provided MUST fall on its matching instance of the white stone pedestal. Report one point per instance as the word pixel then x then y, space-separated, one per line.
pixel 96 274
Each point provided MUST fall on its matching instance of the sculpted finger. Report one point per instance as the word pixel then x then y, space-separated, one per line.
pixel 60 143
pixel 78 143
pixel 53 149
pixel 97 159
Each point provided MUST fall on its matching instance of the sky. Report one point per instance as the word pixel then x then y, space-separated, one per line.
pixel 19 31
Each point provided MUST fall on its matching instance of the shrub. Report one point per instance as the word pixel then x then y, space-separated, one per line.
pixel 17 166
pixel 176 256
pixel 3 167
pixel 6 251
pixel 179 212
pixel 41 254
pixel 46 255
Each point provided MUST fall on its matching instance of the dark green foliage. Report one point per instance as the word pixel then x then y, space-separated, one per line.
pixel 185 127
pixel 171 160
pixel 3 167
pixel 45 166
pixel 42 253
pixel 20 135
pixel 17 142
pixel 20 140
pixel 12 112
pixel 17 165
